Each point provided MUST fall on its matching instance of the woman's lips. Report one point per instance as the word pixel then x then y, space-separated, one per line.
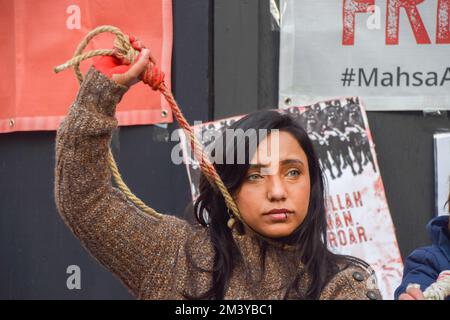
pixel 278 214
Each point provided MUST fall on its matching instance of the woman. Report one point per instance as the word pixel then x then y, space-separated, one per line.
pixel 277 251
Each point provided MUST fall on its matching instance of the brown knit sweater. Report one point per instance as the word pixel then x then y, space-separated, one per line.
pixel 150 255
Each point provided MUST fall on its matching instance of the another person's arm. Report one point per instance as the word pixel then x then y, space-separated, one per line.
pixel 422 268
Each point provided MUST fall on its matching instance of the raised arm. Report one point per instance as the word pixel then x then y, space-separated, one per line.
pixel 128 242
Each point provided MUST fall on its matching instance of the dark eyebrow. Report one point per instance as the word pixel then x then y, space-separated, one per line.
pixel 282 162
pixel 292 161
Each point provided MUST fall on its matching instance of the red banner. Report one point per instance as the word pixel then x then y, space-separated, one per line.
pixel 36 36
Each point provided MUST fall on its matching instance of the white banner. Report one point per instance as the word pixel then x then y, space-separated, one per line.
pixel 359 221
pixel 442 171
pixel 394 54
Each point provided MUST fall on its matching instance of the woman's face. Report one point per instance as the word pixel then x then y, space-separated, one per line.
pixel 274 197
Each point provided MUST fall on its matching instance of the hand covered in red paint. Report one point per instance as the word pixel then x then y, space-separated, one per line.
pixel 126 75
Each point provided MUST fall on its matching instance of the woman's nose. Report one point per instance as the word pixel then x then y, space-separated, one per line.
pixel 276 190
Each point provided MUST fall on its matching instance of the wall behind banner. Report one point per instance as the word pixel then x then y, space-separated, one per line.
pixel 36 247
pixel 225 62
pixel 246 79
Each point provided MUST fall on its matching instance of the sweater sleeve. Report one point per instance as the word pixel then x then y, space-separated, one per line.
pixel 121 237
pixel 353 283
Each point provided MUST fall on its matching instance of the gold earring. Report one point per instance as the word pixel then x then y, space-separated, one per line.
pixel 231 222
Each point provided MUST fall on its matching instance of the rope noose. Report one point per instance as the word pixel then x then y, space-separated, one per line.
pixel 127 49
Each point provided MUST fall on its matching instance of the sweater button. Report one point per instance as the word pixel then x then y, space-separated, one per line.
pixel 358 276
pixel 371 295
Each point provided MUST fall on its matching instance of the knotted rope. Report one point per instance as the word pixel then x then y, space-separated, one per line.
pixel 127 48
pixel 438 290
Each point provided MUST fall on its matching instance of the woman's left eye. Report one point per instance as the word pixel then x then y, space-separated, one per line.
pixel 293 173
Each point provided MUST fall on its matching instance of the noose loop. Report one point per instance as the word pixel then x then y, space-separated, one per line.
pixel 126 48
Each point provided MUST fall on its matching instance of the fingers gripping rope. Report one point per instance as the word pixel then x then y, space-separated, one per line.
pixel 127 49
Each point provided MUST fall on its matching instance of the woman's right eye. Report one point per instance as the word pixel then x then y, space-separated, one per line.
pixel 254 177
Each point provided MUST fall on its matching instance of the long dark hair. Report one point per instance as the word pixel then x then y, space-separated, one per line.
pixel 309 238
